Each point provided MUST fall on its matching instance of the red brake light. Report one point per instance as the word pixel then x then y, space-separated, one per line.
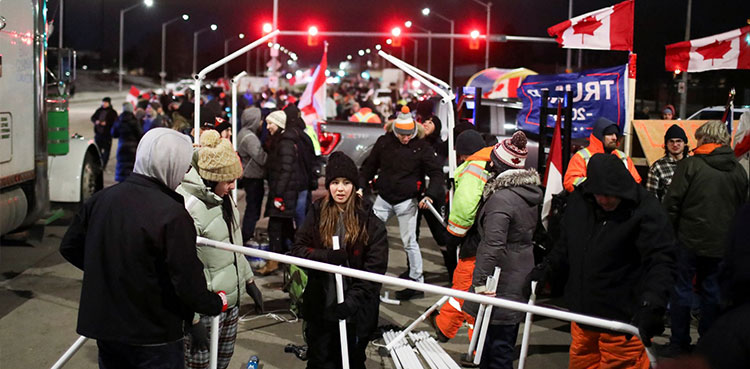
pixel 328 142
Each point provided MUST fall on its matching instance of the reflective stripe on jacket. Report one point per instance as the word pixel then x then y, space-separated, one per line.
pixel 471 177
pixel 576 173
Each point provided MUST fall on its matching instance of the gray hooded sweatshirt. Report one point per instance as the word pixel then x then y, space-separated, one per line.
pixel 164 154
pixel 248 145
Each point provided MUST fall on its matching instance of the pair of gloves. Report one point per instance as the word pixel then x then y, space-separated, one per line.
pixel 649 319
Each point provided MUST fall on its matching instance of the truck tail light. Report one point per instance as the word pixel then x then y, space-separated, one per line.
pixel 328 142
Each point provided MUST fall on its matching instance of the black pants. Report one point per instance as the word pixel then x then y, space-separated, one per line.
pixel 104 143
pixel 254 200
pixel 116 355
pixel 499 347
pixel 280 234
pixel 324 346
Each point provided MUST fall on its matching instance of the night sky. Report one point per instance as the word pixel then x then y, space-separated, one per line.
pixel 92 25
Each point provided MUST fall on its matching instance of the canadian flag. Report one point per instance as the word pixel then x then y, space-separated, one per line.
pixel 133 96
pixel 505 88
pixel 312 104
pixel 609 28
pixel 742 136
pixel 728 50
pixel 553 179
pixel 301 77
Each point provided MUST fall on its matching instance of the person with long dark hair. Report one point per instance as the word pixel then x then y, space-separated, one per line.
pixel 363 245
pixel 207 191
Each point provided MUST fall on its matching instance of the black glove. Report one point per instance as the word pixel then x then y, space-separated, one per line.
pixel 337 257
pixel 650 322
pixel 540 274
pixel 343 311
pixel 255 294
pixel 198 337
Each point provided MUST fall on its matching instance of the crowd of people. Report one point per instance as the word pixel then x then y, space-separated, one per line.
pixel 624 251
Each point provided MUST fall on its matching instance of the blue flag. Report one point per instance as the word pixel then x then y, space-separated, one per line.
pixel 596 93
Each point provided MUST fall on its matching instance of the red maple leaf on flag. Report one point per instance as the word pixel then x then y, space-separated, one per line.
pixel 715 50
pixel 586 26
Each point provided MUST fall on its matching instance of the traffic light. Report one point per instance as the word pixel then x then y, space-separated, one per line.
pixel 312 36
pixel 474 40
pixel 267 28
pixel 396 41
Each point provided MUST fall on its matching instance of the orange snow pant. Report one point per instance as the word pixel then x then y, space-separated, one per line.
pixel 597 350
pixel 451 316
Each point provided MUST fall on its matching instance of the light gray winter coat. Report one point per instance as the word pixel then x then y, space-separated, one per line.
pixel 506 225
pixel 248 145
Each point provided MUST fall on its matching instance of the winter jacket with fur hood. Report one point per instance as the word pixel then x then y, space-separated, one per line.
pixel 506 223
pixel 224 271
pixel 248 145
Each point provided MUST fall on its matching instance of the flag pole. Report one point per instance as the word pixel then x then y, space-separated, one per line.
pixel 630 110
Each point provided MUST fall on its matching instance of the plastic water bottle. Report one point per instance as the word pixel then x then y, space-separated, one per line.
pixel 253 362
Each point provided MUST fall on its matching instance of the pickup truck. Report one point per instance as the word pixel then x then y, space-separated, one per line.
pixel 356 139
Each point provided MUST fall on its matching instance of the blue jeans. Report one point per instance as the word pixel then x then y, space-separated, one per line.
pixel 406 212
pixel 499 347
pixel 116 355
pixel 301 210
pixel 706 273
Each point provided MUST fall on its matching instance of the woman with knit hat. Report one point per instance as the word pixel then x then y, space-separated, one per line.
pixel 206 189
pixel 363 245
pixel 285 178
pixel 506 219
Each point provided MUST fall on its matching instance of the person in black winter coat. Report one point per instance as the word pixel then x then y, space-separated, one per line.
pixel 432 127
pixel 307 160
pixel 363 245
pixel 619 251
pixel 401 159
pixel 727 344
pixel 284 182
pixel 142 279
pixel 103 118
pixel 127 130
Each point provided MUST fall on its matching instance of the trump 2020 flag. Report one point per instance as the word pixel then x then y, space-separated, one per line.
pixel 610 28
pixel 553 179
pixel 728 50
pixel 312 104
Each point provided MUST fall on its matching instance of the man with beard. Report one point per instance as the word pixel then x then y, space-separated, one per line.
pixel 603 140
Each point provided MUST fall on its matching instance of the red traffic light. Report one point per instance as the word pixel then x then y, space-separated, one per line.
pixel 267 28
pixel 396 32
pixel 474 40
pixel 312 36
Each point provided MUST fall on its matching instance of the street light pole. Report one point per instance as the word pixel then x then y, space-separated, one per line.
pixel 120 72
pixel 427 11
pixel 163 73
pixel 60 26
pixel 226 52
pixel 212 27
pixel 410 24
pixel 488 5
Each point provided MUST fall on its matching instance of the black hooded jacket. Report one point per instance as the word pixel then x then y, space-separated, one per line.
pixel 307 159
pixel 616 260
pixel 284 176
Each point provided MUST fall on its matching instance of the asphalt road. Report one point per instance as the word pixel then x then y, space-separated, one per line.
pixel 39 293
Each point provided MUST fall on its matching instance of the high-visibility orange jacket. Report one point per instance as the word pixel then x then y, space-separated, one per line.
pixel 365 115
pixel 576 172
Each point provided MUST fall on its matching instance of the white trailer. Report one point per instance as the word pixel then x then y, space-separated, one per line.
pixel 30 176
